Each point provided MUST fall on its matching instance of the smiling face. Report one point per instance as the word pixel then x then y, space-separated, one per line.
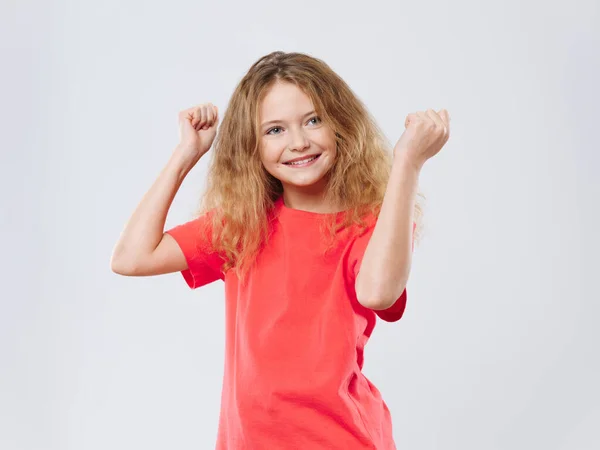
pixel 291 136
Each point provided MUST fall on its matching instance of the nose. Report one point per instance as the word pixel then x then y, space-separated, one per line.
pixel 298 140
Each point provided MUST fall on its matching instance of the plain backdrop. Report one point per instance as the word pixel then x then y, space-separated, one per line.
pixel 498 348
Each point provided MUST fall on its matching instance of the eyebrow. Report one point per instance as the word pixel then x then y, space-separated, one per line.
pixel 277 121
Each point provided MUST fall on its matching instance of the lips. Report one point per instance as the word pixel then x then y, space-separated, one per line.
pixel 303 159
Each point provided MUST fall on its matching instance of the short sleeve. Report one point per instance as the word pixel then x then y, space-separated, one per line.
pixel 394 312
pixel 194 238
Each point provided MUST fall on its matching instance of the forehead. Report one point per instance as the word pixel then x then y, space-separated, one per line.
pixel 284 100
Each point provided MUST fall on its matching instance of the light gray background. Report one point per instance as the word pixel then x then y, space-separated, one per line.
pixel 498 348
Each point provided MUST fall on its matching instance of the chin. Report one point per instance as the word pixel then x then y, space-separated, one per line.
pixel 306 184
pixel 305 181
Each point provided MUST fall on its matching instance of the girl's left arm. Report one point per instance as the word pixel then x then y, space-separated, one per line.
pixel 387 260
pixel 385 266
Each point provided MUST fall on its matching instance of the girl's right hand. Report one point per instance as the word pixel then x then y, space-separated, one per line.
pixel 197 130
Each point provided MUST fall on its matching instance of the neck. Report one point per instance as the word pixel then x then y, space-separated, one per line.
pixel 307 200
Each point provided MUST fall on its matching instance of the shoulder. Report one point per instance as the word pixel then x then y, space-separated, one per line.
pixel 364 228
pixel 357 237
pixel 198 229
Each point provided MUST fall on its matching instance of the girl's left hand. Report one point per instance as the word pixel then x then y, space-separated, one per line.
pixel 425 134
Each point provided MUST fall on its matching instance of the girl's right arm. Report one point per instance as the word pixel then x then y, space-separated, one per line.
pixel 143 247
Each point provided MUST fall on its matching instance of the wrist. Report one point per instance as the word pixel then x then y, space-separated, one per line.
pixel 406 162
pixel 180 162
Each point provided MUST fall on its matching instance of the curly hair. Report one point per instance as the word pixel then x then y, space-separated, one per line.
pixel 241 192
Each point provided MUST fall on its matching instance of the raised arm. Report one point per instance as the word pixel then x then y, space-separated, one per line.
pixel 143 247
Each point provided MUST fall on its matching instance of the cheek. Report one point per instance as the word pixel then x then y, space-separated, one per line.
pixel 270 154
pixel 326 139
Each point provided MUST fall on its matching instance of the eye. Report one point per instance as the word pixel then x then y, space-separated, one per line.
pixel 316 120
pixel 273 129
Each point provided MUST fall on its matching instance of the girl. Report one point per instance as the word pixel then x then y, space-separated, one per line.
pixel 309 221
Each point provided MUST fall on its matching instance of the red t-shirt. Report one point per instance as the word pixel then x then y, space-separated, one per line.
pixel 295 337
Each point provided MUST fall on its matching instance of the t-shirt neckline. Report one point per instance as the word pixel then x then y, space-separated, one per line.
pixel 299 213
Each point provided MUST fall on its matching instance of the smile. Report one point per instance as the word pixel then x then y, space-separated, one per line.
pixel 303 163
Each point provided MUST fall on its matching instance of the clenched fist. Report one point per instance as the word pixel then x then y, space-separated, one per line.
pixel 197 130
pixel 425 134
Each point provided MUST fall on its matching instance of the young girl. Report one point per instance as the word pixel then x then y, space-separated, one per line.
pixel 309 220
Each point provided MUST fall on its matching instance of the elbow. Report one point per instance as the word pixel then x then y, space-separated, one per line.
pixel 379 299
pixel 379 292
pixel 117 267
pixel 122 261
pixel 121 266
pixel 377 302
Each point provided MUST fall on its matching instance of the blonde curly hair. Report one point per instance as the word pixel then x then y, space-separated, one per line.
pixel 241 192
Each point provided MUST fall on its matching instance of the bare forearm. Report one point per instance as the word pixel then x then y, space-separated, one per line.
pixel 387 260
pixel 144 229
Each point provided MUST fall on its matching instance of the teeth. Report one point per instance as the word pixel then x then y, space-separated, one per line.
pixel 303 161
